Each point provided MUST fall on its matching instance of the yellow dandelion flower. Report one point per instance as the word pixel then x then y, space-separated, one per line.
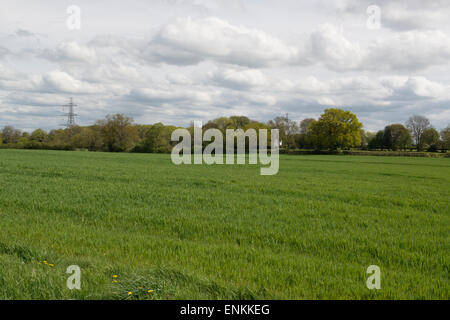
pixel 51 265
pixel 130 293
pixel 150 291
pixel 45 262
pixel 115 276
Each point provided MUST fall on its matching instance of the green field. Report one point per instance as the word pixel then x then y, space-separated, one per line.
pixel 222 232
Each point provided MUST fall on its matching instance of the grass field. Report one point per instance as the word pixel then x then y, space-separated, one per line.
pixel 222 232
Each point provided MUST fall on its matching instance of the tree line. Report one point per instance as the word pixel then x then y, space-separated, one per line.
pixel 334 129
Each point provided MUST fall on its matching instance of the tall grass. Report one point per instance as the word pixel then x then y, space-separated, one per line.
pixel 222 232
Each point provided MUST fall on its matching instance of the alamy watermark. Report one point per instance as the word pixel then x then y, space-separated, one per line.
pixel 374 19
pixel 74 281
pixel 374 280
pixel 213 153
pixel 73 21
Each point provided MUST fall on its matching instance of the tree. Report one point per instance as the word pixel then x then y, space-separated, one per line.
pixel 305 124
pixel 287 130
pixel 221 123
pixel 118 133
pixel 445 135
pixel 88 138
pixel 337 128
pixel 417 125
pixel 10 135
pixel 157 139
pixel 39 135
pixel 304 139
pixel 376 142
pixel 239 122
pixel 24 142
pixel 59 138
pixel 257 126
pixel 365 137
pixel 396 136
pixel 431 139
pixel 369 136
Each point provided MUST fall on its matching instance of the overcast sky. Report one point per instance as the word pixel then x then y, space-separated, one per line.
pixel 176 61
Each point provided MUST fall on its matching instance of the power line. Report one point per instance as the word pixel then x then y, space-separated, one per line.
pixel 70 114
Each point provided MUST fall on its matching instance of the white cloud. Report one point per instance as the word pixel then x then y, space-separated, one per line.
pixel 71 52
pixel 56 81
pixel 424 88
pixel 414 50
pixel 190 41
pixel 329 46
pixel 150 95
pixel 402 15
pixel 60 81
pixel 7 73
pixel 178 79
pixel 195 59
pixel 3 52
pixel 239 79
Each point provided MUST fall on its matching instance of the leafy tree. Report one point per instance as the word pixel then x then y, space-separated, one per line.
pixel 58 138
pixel 257 126
pixel 365 136
pixel 396 136
pixel 337 128
pixel 222 123
pixel 234 122
pixel 24 143
pixel 88 138
pixel 118 133
pixel 305 124
pixel 417 125
pixel 376 142
pixel 93 138
pixel 368 137
pixel 211 125
pixel 39 135
pixel 157 139
pixel 239 122
pixel 303 139
pixel 431 139
pixel 142 130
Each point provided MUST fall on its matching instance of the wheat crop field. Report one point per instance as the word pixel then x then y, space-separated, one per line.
pixel 140 227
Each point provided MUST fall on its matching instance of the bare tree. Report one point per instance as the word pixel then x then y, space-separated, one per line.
pixel 445 136
pixel 287 127
pixel 417 125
